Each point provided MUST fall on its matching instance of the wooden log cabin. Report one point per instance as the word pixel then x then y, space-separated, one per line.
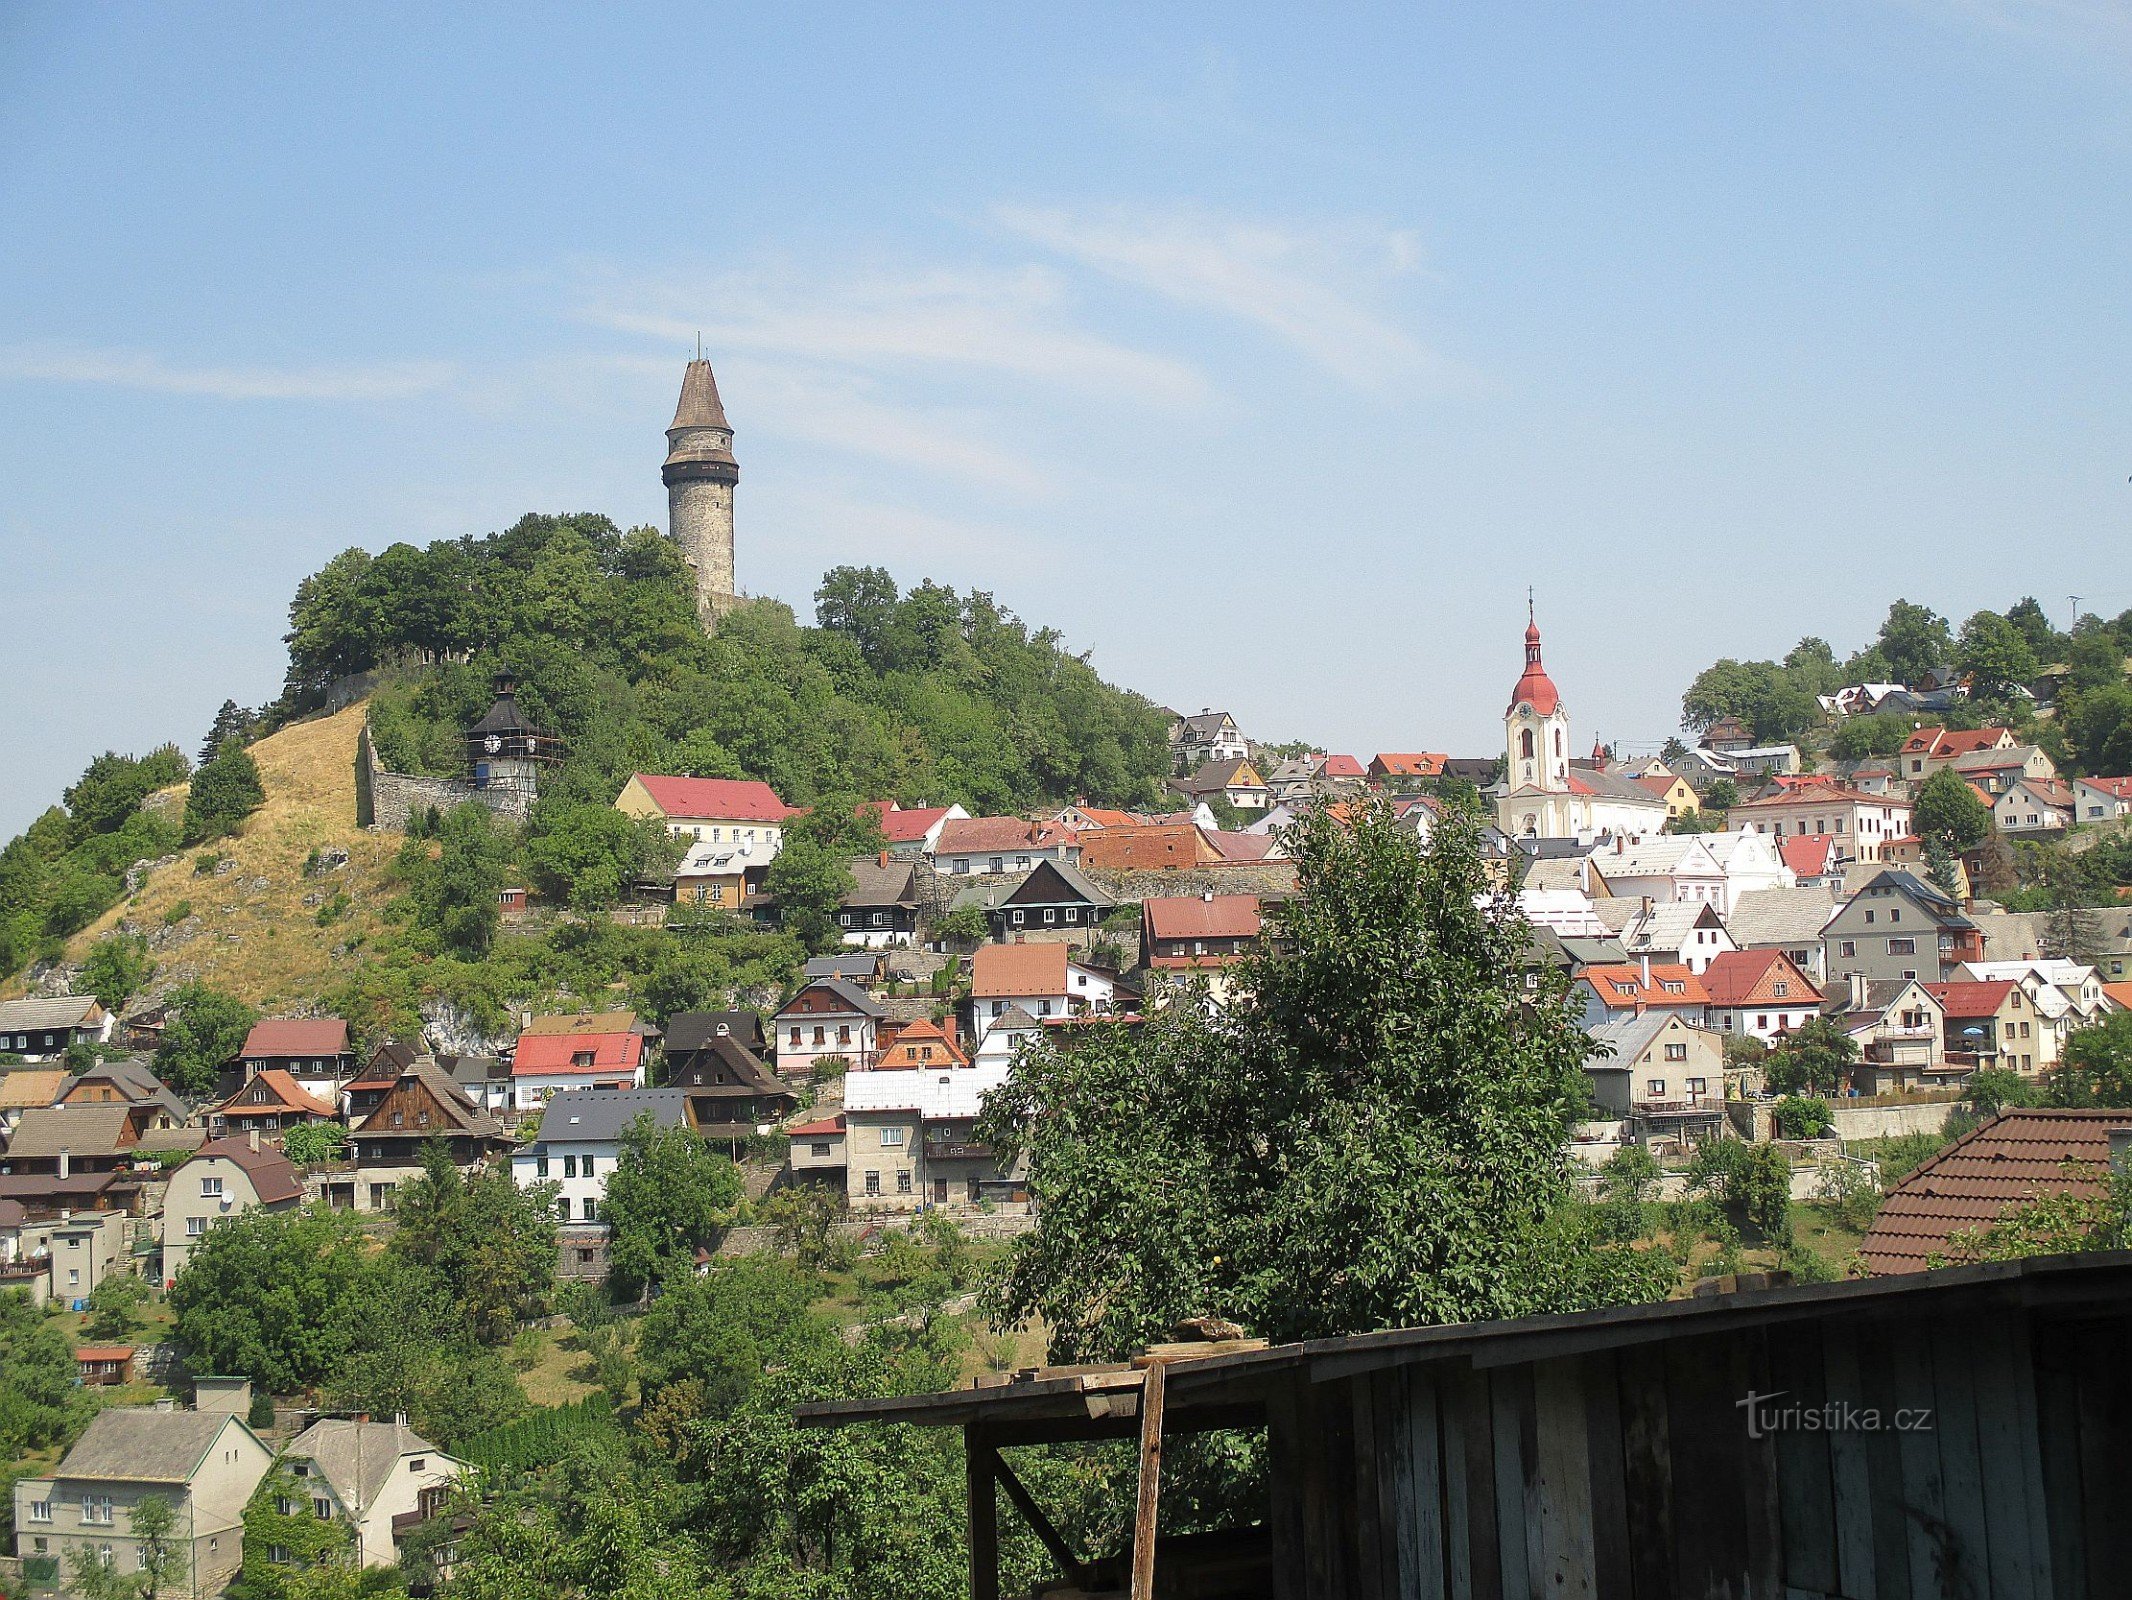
pixel 1960 1432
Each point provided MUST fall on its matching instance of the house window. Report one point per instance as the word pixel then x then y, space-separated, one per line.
pixel 1782 988
pixel 1847 948
pixel 562 1209
pixel 818 1150
pixel 417 1463
pixel 891 1138
pixel 962 865
pixel 1020 917
pixel 40 1511
pixel 540 1166
pixel 1655 1088
pixel 903 1181
pixel 873 1183
pixel 1869 916
pixel 96 1508
pixel 210 1188
pixel 999 863
pixel 1050 915
pixel 322 1508
pixel 844 917
pixel 585 1162
pixel 821 1036
pixel 592 1209
pixel 583 1058
pixel 279 1553
pixel 1043 1008
pixel 795 1038
pixel 1677 1052
pixel 195 1227
pixel 569 1166
pixel 1902 947
pixel 843 1033
pixel 1697 1086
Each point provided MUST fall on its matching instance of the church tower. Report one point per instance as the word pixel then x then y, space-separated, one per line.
pixel 699 474
pixel 1536 727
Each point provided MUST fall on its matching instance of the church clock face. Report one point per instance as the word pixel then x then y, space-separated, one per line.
pixel 492 744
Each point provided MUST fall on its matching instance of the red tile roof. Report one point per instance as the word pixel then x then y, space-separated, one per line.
pixel 1409 764
pixel 1810 855
pixel 295 1036
pixel 818 1129
pixel 1749 977
pixel 1939 742
pixel 1534 687
pixel 1342 767
pixel 904 825
pixel 103 1352
pixel 2120 787
pixel 291 1096
pixel 1003 971
pixel 1220 916
pixel 716 799
pixel 1149 847
pixel 1819 794
pixel 903 1047
pixel 971 835
pixel 2016 1158
pixel 2120 992
pixel 551 1052
pixel 1972 999
pixel 1657 784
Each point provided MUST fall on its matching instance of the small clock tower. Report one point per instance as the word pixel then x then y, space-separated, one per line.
pixel 504 750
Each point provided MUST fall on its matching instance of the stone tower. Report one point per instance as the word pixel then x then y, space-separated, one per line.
pixel 700 473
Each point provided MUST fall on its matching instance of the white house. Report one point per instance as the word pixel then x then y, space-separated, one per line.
pixel 2101 799
pixel 828 1017
pixel 580 1140
pixel 1042 979
pixel 2034 805
pixel 365 1474
pixel 1864 822
pixel 908 1136
pixel 1665 869
pixel 999 845
pixel 1759 994
pixel 1750 861
pixel 1687 933
pixel 710 810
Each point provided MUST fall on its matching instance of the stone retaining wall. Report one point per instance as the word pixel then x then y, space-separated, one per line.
pixel 1886 1122
pixel 1007 1222
pixel 388 800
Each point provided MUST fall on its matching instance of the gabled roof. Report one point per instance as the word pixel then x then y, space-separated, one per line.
pixel 272 1090
pixel 1149 847
pixel 715 799
pixel 1409 764
pixel 1628 1038
pixel 853 998
pixel 1005 970
pixel 273 1174
pixel 2119 788
pixel 90 1130
pixel 1338 766
pixel 1971 1000
pixel 552 1052
pixel 1665 929
pixel 1207 724
pixel 1935 904
pixel 58 1011
pixel 933 1092
pixel 970 835
pixel 882 883
pixel 1749 977
pixel 2013 1160
pixel 853 967
pixel 600 1115
pixel 1811 855
pixel 1245 847
pixel 912 1038
pixel 820 1128
pixel 295 1036
pixel 740 1064
pixel 1818 794
pixel 692 1030
pixel 583 1022
pixel 139 1444
pixel 27 1087
pixel 460 1113
pixel 1058 883
pixel 1236 773
pixel 1663 857
pixel 356 1458
pixel 1213 916
pixel 1623 987
pixel 904 824
pixel 1940 743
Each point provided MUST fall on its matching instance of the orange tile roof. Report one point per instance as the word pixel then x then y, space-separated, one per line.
pixel 1005 971
pixel 1972 999
pixel 1191 916
pixel 1157 847
pixel 1621 984
pixel 291 1095
pixel 2016 1158
pixel 905 1047
pixel 1412 764
pixel 2120 992
pixel 295 1036
pixel 968 834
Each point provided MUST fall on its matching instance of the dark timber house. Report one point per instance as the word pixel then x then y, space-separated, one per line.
pixel 1960 1432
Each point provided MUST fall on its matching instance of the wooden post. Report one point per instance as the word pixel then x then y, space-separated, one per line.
pixel 978 1459
pixel 1151 1391
pixel 1070 1565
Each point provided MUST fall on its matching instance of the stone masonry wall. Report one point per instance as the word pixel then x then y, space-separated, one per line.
pixel 387 800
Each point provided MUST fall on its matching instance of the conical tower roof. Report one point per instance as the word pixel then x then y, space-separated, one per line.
pixel 700 406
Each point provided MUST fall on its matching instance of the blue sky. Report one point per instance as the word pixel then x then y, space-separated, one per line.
pixel 1269 357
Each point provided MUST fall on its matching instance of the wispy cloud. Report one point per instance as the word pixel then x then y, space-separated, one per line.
pixel 1016 321
pixel 139 369
pixel 1307 287
pixel 2084 26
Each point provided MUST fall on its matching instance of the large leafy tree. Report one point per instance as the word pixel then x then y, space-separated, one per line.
pixel 224 792
pixel 1815 1058
pixel 491 1242
pixel 1369 1132
pixel 2099 725
pixel 1947 808
pixel 812 872
pixel 2095 1068
pixel 1913 640
pixel 41 1402
pixel 668 1194
pixel 454 892
pixel 277 1296
pixel 1994 655
pixel 203 1031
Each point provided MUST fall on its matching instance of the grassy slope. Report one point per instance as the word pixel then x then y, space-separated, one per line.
pixel 250 931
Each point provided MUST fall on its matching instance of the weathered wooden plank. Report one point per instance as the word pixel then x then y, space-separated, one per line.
pixel 1469 1488
pixel 1967 1559
pixel 1603 1465
pixel 1425 1579
pixel 1763 1520
pixel 1040 1524
pixel 1367 1580
pixel 1884 1468
pixel 1321 1504
pixel 1510 1408
pixel 2000 1452
pixel 2021 1367
pixel 1647 1470
pixel 1806 1496
pixel 1153 1386
pixel 1707 1443
pixel 1562 1482
pixel 1923 1501
pixel 2058 1424
pixel 2105 1474
pixel 1284 1521
pixel 1849 1488
pixel 980 1488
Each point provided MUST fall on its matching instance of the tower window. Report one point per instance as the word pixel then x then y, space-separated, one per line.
pixel 1525 744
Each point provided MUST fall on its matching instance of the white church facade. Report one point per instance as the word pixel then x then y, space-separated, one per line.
pixel 1544 794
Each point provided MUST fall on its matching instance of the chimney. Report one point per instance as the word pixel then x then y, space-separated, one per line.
pixel 1647 970
pixel 251 1137
pixel 65 1163
pixel 884 858
pixel 1207 895
pixel 1858 990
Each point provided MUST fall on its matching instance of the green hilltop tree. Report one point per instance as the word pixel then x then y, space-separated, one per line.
pixel 224 792
pixel 117 967
pixel 1995 656
pixel 1947 808
pixel 668 1194
pixel 812 871
pixel 204 1031
pixel 1913 640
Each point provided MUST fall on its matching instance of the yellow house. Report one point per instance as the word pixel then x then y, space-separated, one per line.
pixel 1680 798
pixel 713 811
